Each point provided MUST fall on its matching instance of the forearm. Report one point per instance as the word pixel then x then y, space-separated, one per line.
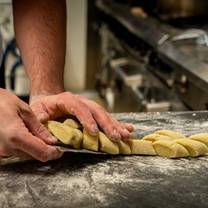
pixel 40 30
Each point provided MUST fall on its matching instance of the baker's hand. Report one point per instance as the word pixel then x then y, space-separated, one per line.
pixel 21 134
pixel 90 114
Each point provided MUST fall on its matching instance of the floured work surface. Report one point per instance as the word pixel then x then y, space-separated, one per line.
pixel 85 180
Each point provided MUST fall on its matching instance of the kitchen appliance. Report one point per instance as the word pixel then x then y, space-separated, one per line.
pixel 169 58
pixel 167 9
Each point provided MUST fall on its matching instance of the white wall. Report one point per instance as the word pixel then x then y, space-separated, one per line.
pixel 75 68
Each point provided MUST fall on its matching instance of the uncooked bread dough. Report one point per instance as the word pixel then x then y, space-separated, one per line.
pixel 195 148
pixel 164 143
pixel 202 137
pixel 141 147
pixel 72 123
pixel 65 134
pixel 156 137
pixel 106 145
pixel 169 133
pixel 124 148
pixel 151 137
pixel 170 149
pixel 90 142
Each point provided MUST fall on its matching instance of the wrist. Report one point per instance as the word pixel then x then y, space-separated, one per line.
pixel 36 94
pixel 45 87
pixel 46 84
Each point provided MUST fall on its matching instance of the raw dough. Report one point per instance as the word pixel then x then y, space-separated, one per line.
pixel 72 123
pixel 151 137
pixel 202 137
pixel 90 142
pixel 165 143
pixel 124 148
pixel 65 134
pixel 106 145
pixel 141 147
pixel 156 137
pixel 170 149
pixel 194 148
pixel 172 134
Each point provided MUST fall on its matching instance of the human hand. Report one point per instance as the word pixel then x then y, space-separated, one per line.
pixel 21 134
pixel 91 115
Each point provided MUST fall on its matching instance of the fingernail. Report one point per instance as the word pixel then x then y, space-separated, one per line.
pixel 59 153
pixel 132 128
pixel 115 132
pixel 126 131
pixel 94 129
pixel 115 135
pixel 54 154
pixel 52 139
pixel 41 117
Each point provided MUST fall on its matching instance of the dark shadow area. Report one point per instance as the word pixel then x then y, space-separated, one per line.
pixel 69 162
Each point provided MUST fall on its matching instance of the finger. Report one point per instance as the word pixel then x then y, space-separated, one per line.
pixel 81 111
pixel 8 152
pixel 106 124
pixel 21 154
pixel 5 152
pixel 114 129
pixel 105 120
pixel 128 126
pixel 125 134
pixel 40 112
pixel 42 117
pixel 124 129
pixel 35 127
pixel 34 147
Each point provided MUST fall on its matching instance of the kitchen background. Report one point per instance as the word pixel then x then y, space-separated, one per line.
pixel 127 55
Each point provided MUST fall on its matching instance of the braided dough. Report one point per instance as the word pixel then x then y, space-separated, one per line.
pixel 171 134
pixel 65 134
pixel 90 142
pixel 155 137
pixel 170 149
pixel 194 148
pixel 202 137
pixel 124 148
pixel 165 143
pixel 141 147
pixel 72 123
pixel 106 145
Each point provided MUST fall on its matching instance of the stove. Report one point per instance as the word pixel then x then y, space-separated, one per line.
pixel 158 65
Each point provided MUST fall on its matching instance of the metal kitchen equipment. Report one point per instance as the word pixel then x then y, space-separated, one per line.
pixel 179 65
pixel 167 9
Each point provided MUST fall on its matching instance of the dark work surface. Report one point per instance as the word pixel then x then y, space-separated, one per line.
pixel 84 180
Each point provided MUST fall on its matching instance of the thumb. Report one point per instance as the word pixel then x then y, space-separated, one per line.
pixel 41 116
pixel 40 113
pixel 35 127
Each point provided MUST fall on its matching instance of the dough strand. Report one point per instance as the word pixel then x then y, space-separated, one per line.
pixel 90 142
pixel 164 143
pixel 66 134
